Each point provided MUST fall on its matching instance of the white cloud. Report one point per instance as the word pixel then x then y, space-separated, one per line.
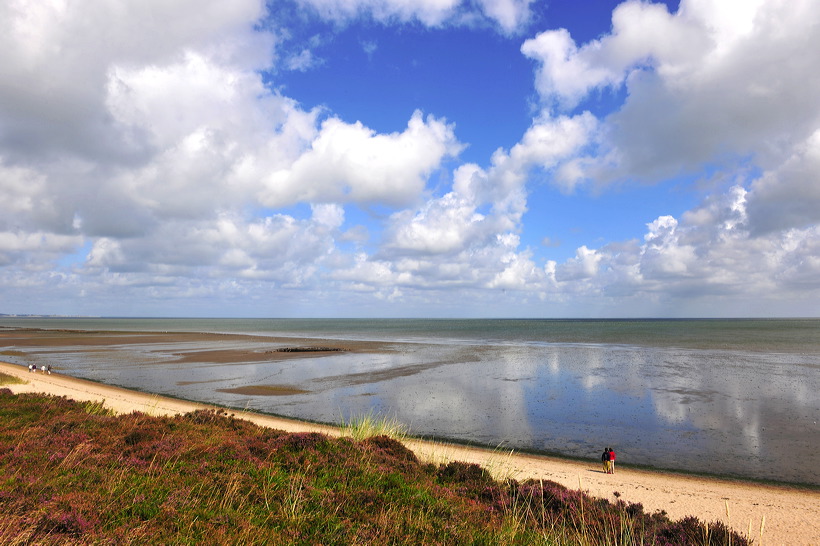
pixel 584 265
pixel 275 248
pixel 22 189
pixel 55 58
pixel 351 163
pixel 788 196
pixel 442 226
pixel 548 143
pixel 708 83
pixel 642 34
pixel 171 101
pixel 664 254
pixel 43 245
pixel 509 15
pixel 703 259
pixel 725 90
pixel 519 271
pixel 429 12
pixel 142 154
pixel 563 74
pixel 303 61
pixel 474 228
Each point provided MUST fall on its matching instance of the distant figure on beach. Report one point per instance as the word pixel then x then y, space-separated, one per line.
pixel 32 368
pixel 611 461
pixel 605 460
pixel 46 369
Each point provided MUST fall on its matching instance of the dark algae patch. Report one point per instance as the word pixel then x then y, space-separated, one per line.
pixel 74 474
pixel 309 350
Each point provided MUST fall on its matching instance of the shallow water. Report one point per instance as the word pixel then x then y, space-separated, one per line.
pixel 727 397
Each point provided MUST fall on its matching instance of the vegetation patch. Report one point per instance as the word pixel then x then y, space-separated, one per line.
pixel 75 474
pixel 7 379
pixel 360 427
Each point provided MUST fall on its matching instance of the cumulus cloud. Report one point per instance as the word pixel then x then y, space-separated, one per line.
pixel 708 254
pixel 474 228
pixel 188 146
pixel 429 12
pixel 143 153
pixel 34 249
pixel 351 163
pixel 723 91
pixel 509 15
pixel 642 34
pixel 55 58
pixel 788 196
pixel 708 83
pixel 583 266
pixel 277 248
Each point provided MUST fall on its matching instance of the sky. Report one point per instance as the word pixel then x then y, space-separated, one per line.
pixel 410 158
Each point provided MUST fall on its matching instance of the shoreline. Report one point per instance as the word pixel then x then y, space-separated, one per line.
pixel 788 514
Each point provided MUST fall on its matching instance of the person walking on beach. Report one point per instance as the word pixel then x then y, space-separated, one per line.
pixel 611 461
pixel 605 460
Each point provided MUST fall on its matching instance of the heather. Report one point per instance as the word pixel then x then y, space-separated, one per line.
pixel 74 473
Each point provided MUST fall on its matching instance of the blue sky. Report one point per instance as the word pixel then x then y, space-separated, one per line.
pixel 481 158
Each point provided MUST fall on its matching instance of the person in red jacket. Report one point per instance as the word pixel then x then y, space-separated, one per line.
pixel 611 461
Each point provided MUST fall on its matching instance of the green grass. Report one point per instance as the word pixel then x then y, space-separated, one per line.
pixel 96 408
pixel 6 379
pixel 74 473
pixel 360 427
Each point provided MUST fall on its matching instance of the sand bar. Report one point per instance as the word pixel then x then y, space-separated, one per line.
pixel 792 515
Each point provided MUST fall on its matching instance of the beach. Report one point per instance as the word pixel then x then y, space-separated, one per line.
pixel 787 515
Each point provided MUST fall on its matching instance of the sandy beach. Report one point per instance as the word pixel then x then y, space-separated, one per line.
pixel 787 515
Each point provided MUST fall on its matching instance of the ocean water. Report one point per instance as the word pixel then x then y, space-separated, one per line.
pixel 737 397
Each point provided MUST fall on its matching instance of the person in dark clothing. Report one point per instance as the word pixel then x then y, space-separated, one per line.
pixel 605 460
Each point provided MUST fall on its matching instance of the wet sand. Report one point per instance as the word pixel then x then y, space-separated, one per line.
pixel 292 347
pixel 787 515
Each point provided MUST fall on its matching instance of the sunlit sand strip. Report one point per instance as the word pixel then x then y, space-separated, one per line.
pixel 782 515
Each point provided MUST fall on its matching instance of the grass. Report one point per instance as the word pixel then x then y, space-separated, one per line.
pixel 6 379
pixel 360 427
pixel 96 408
pixel 73 473
pixel 499 464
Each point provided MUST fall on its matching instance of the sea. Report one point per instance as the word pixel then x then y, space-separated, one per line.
pixel 729 397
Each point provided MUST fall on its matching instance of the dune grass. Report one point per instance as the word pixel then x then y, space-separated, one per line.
pixel 73 473
pixel 7 379
pixel 360 427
